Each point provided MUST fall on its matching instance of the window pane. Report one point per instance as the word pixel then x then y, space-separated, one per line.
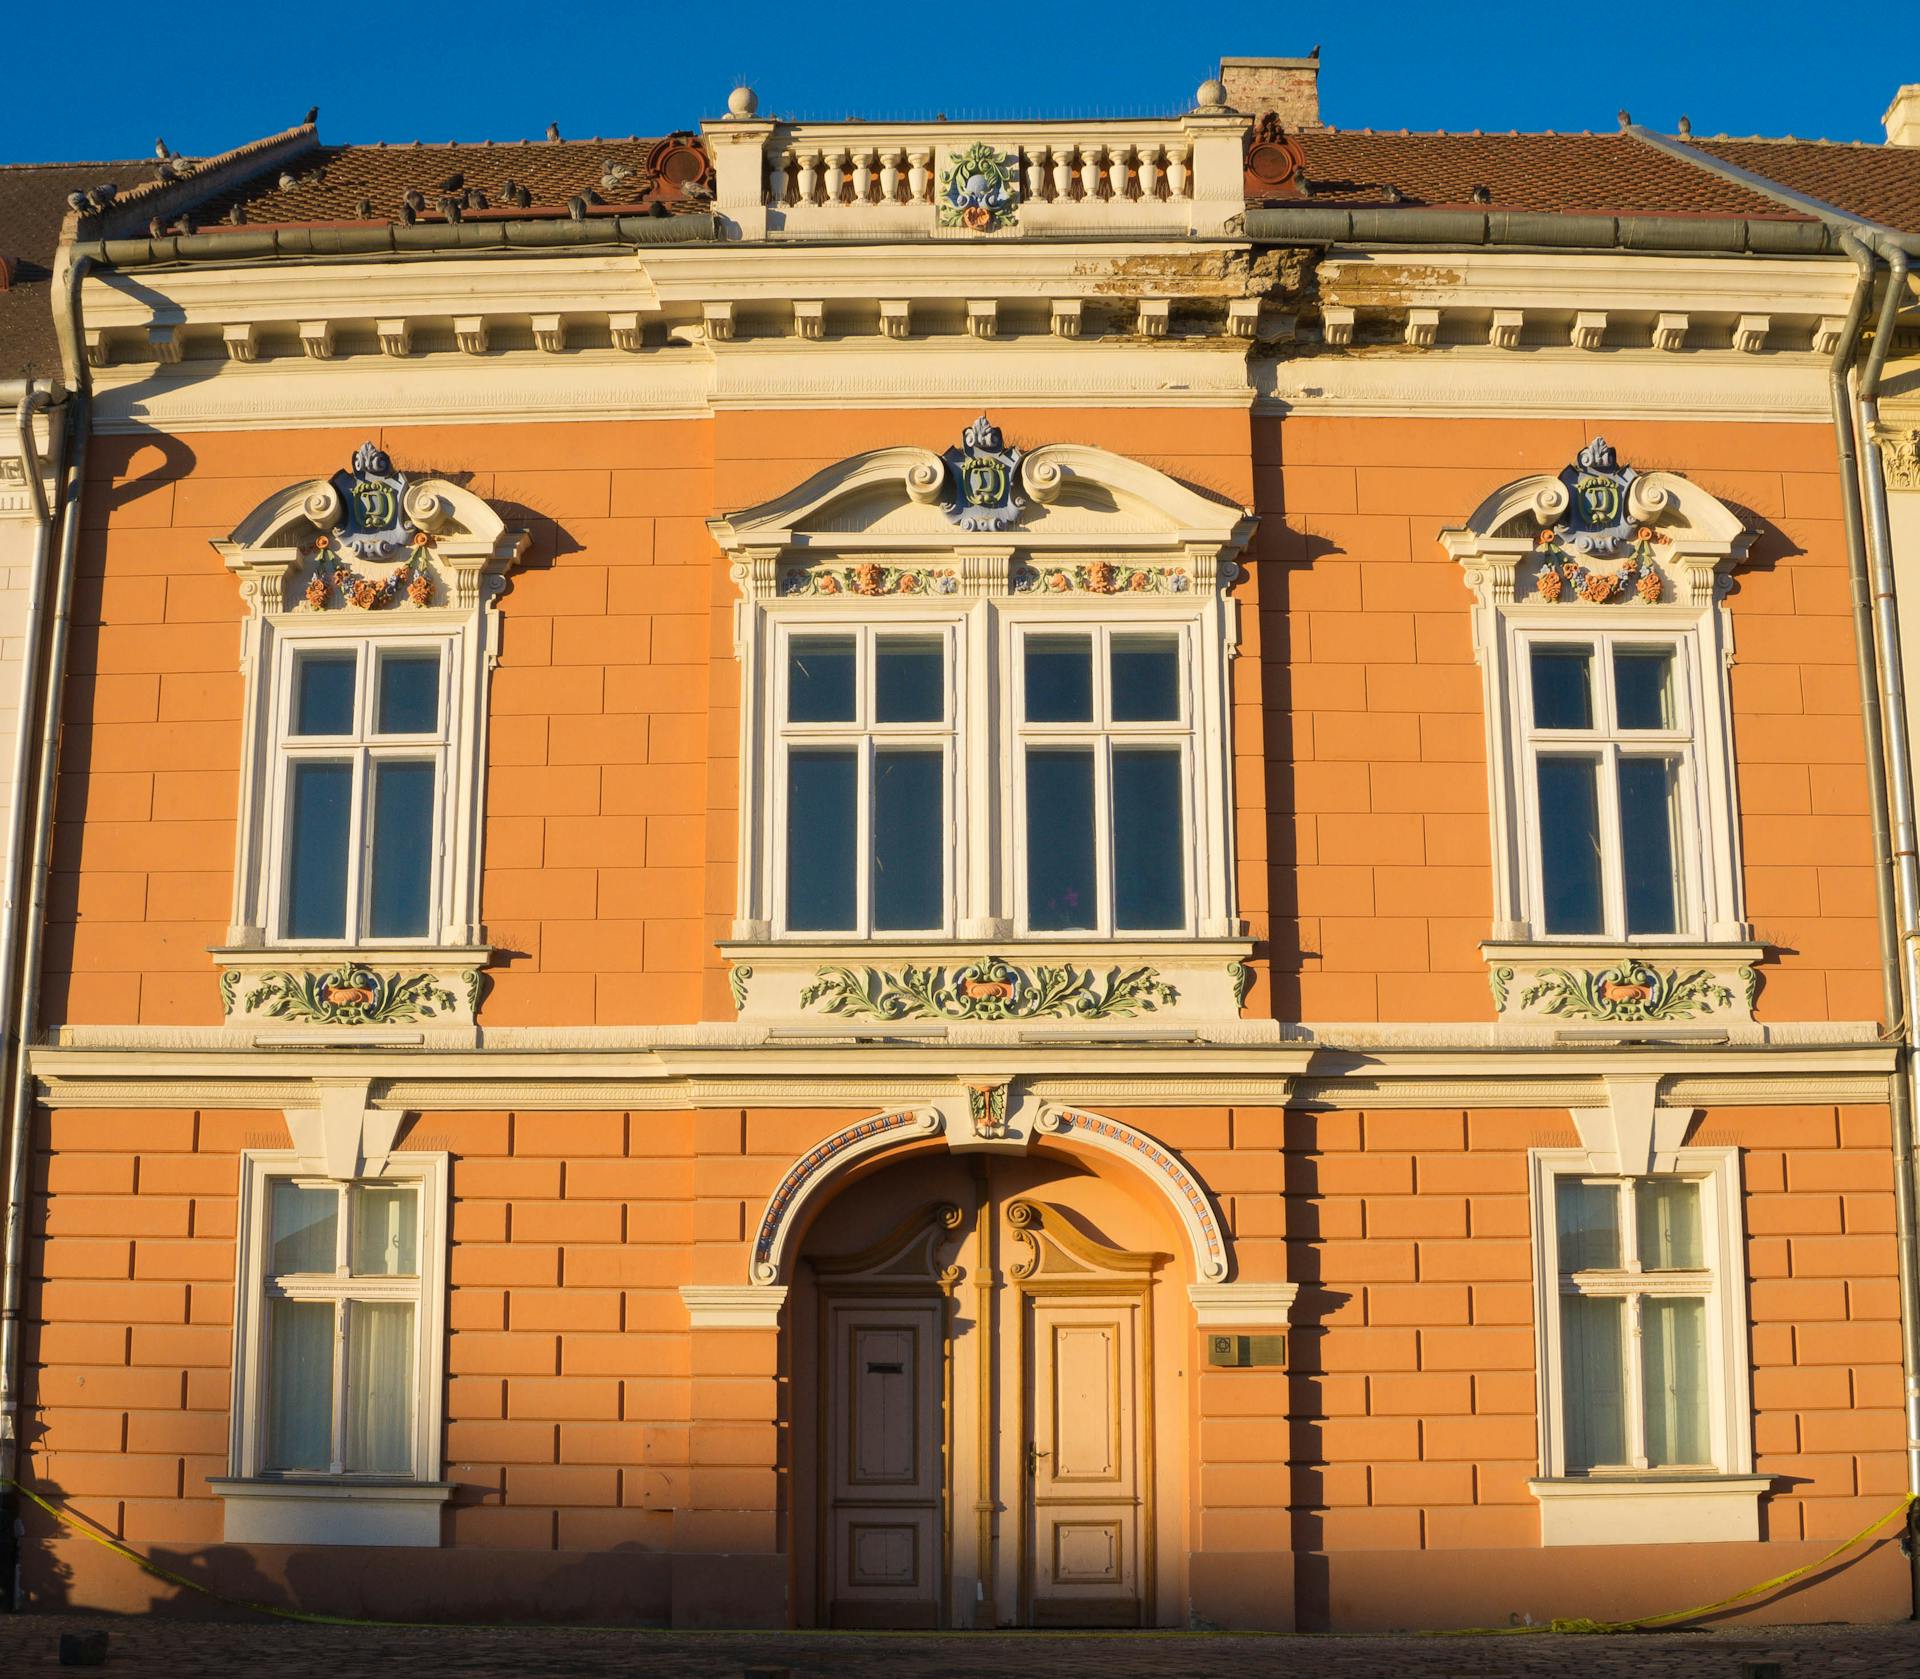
pixel 323 686
pixel 1562 687
pixel 1669 1225
pixel 821 839
pixel 1643 687
pixel 299 1432
pixel 1591 1376
pixel 1146 679
pixel 409 694
pixel 386 1230
pixel 1060 888
pixel 1059 679
pixel 1673 1353
pixel 319 803
pixel 1649 843
pixel 910 680
pixel 820 679
pixel 380 1387
pixel 303 1225
pixel 1587 1216
pixel 1149 865
pixel 909 844
pixel 1570 845
pixel 402 879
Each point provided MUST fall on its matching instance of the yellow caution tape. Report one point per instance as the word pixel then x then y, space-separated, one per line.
pixel 81 1525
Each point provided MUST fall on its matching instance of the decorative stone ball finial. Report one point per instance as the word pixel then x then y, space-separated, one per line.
pixel 1212 94
pixel 742 102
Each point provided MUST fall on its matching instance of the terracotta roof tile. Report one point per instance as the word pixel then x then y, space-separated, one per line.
pixel 369 183
pixel 1881 183
pixel 33 204
pixel 1580 174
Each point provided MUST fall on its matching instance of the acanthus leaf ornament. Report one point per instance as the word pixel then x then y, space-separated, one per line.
pixel 1631 991
pixel 989 989
pixel 983 480
pixel 980 189
pixel 350 995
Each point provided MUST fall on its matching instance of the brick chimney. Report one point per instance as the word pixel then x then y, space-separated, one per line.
pixel 1902 118
pixel 1289 87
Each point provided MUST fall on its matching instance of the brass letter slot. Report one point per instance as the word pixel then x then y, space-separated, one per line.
pixel 886 1369
pixel 1242 1352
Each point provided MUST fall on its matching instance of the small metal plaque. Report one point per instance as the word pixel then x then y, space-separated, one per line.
pixel 1246 1352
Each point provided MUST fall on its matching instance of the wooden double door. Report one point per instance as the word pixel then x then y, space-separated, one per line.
pixel 986 1425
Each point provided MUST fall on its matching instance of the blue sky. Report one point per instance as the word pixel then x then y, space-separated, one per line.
pixel 209 76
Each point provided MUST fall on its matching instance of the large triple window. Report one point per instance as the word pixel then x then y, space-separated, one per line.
pixel 362 731
pixel 932 771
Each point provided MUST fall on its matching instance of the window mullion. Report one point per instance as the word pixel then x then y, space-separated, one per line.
pixel 1612 851
pixel 339 1434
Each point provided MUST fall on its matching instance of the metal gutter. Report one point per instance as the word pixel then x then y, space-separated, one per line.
pixel 32 926
pixel 393 239
pixel 1319 224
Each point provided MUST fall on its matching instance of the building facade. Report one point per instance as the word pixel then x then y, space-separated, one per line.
pixel 1106 873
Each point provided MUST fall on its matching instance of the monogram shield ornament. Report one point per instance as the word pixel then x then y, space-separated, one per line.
pixel 983 480
pixel 1597 522
pixel 373 495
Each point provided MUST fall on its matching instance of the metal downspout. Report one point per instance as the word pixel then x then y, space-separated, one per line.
pixel 1906 844
pixel 32 927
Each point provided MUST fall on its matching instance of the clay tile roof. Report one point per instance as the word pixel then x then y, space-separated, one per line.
pixel 1881 183
pixel 33 204
pixel 1576 174
pixel 368 183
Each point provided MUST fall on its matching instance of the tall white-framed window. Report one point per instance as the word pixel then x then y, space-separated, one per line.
pixel 867 791
pixel 340 1322
pixel 1101 725
pixel 364 727
pixel 1641 1321
pixel 1611 809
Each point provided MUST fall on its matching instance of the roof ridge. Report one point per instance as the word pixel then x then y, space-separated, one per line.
pixel 210 176
pixel 94 163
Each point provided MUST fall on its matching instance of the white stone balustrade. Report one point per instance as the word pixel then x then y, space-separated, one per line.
pixel 1179 175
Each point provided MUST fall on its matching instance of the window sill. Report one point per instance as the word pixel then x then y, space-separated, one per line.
pixel 1608 982
pixel 331 1511
pixel 1682 1509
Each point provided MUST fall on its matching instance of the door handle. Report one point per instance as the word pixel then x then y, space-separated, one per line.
pixel 1034 1454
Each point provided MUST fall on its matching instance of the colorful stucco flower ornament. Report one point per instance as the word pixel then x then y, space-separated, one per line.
pixel 980 190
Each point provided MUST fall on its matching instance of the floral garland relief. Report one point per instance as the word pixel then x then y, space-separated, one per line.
pixel 989 989
pixel 1100 577
pixel 336 582
pixel 869 578
pixel 1562 576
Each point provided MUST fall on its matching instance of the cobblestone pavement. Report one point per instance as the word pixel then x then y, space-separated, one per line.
pixel 286 1650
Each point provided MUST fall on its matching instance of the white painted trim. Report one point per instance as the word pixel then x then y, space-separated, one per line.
pixel 715 1306
pixel 1242 1305
pixel 1723 1238
pixel 294 1512
pixel 258 1169
pixel 1667 1510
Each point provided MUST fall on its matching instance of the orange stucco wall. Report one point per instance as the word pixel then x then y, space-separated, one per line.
pixel 613 783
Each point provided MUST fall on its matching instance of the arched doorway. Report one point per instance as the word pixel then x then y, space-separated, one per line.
pixel 988 1364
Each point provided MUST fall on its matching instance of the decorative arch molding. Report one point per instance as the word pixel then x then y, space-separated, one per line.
pixel 366 560
pixel 775 1236
pixel 1600 549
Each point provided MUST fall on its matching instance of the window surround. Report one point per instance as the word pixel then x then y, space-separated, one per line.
pixel 868 543
pixel 1697 543
pixel 317 1509
pixel 277 554
pixel 1685 1505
